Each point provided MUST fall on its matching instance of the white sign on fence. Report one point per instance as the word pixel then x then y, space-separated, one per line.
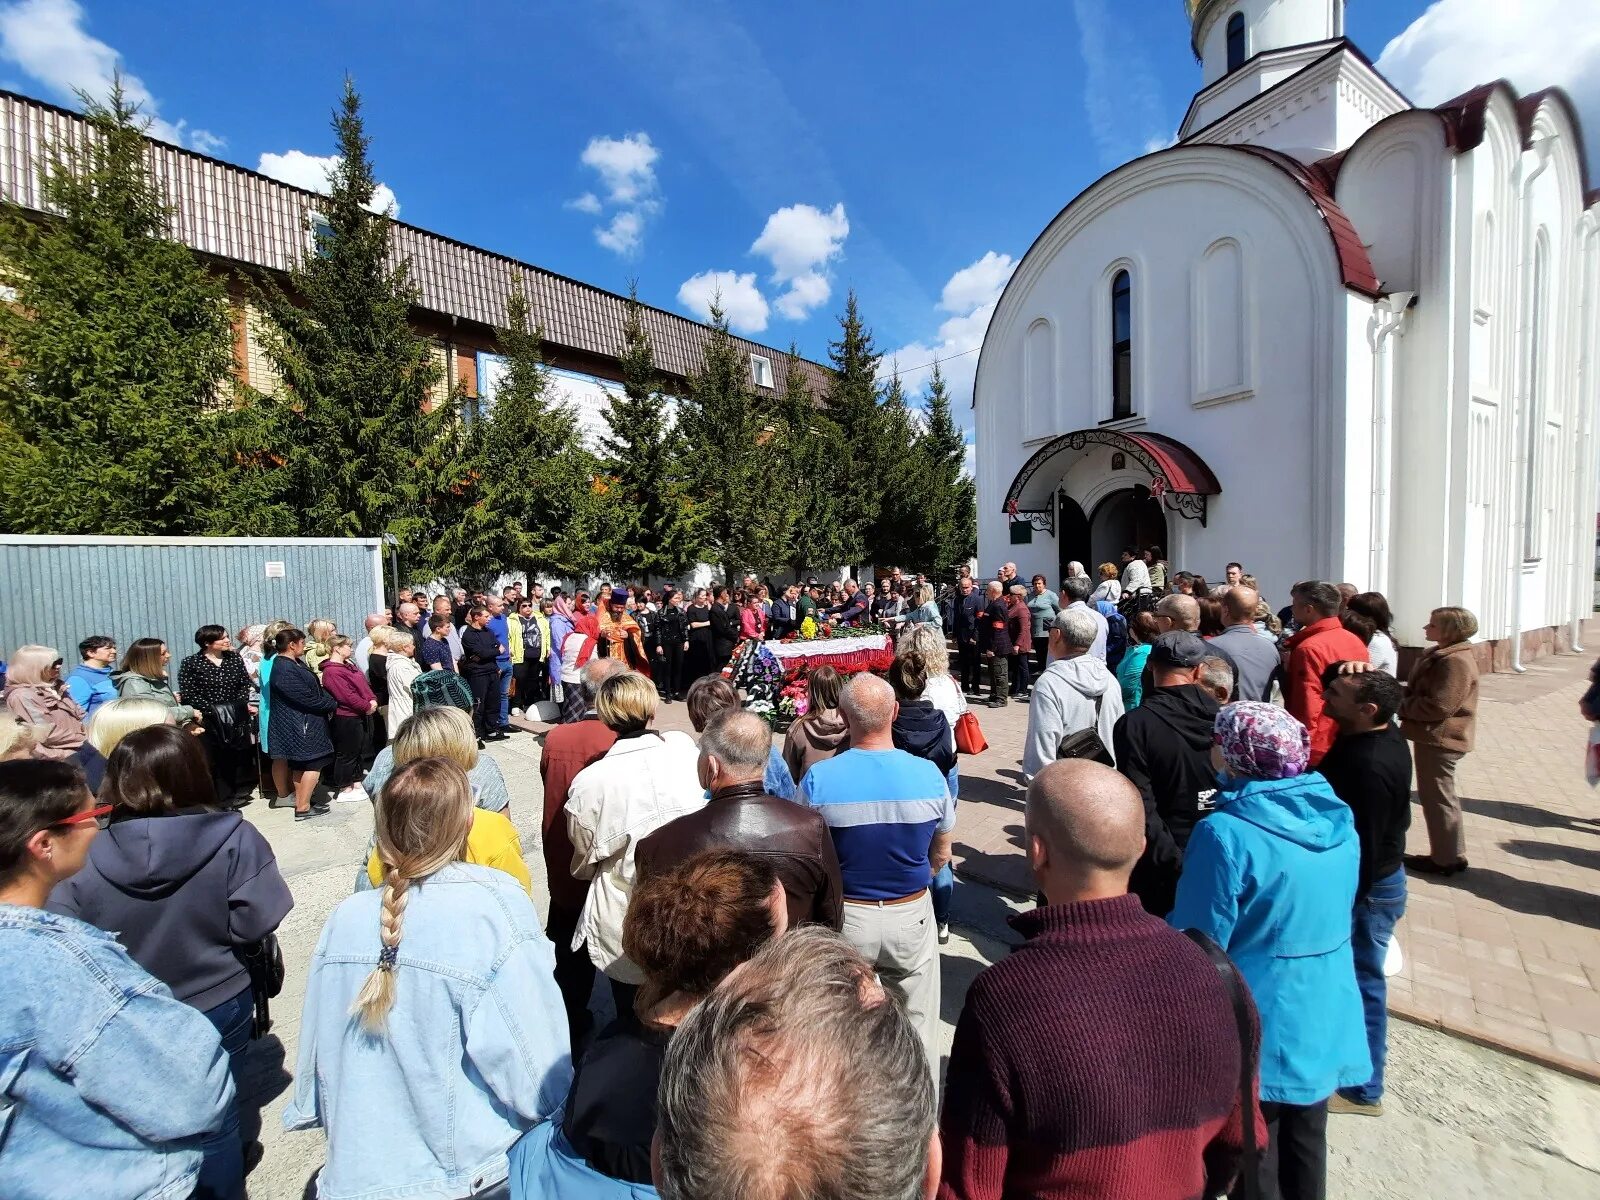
pixel 275 570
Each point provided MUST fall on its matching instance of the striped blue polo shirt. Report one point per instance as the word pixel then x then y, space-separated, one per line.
pixel 882 808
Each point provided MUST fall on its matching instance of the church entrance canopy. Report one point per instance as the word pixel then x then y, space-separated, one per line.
pixel 1179 477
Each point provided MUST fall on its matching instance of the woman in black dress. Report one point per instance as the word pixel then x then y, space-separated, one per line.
pixel 698 661
pixel 215 682
pixel 298 723
pixel 724 629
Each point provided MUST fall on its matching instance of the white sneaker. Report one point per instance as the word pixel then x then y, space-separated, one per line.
pixel 944 935
pixel 351 794
pixel 516 712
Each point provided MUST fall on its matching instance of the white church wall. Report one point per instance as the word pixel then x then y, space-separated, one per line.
pixel 1268 446
pixel 1269 25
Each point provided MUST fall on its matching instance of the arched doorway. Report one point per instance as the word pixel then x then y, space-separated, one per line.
pixel 1131 517
pixel 1072 537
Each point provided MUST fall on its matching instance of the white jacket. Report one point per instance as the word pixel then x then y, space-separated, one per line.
pixel 1063 702
pixel 401 669
pixel 642 783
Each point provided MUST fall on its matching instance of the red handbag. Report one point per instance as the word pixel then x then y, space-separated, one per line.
pixel 969 734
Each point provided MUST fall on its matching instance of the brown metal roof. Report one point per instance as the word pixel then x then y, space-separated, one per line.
pixel 227 211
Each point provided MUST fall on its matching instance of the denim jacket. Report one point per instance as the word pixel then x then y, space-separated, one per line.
pixel 475 1052
pixel 107 1084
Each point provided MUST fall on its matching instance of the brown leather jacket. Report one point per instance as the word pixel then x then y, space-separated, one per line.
pixel 745 818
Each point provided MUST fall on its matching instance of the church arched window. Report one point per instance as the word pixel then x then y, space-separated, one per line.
pixel 1122 345
pixel 1236 45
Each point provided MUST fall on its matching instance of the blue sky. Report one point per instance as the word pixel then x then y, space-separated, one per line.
pixel 908 150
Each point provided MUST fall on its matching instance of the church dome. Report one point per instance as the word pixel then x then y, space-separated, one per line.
pixel 1224 30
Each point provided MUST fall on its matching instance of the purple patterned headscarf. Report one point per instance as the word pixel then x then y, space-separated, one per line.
pixel 1262 741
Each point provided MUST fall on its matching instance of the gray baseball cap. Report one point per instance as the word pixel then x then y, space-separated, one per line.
pixel 1179 649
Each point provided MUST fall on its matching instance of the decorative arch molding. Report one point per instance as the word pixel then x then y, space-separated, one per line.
pixel 1040 379
pixel 1222 329
pixel 1178 477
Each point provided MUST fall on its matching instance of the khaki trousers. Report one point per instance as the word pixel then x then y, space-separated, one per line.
pixel 1441 808
pixel 902 942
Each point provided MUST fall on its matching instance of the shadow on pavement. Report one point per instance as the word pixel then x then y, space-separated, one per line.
pixel 1578 856
pixel 263 1077
pixel 1525 896
pixel 1529 815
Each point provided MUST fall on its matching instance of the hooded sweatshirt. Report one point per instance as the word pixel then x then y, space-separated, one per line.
pixel 817 736
pixel 90 687
pixel 921 729
pixel 1164 748
pixel 181 892
pixel 1271 877
pixel 1064 702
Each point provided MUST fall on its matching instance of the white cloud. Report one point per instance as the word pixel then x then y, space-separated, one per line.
pixel 1121 94
pixel 977 284
pixel 310 171
pixel 970 296
pixel 626 165
pixel 624 234
pixel 627 170
pixel 1458 44
pixel 46 38
pixel 800 241
pixel 737 295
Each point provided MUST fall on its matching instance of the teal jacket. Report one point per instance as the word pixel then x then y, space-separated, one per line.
pixel 1271 877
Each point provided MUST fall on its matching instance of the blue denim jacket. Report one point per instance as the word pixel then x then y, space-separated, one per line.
pixel 107 1083
pixel 475 1052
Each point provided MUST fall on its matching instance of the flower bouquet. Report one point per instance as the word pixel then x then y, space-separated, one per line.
pixel 794 701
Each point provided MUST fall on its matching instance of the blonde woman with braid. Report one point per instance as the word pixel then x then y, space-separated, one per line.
pixel 433 1035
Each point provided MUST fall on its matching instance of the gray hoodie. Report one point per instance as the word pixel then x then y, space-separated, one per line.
pixel 1064 702
pixel 181 893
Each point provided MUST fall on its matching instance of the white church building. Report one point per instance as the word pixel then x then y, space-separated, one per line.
pixel 1327 334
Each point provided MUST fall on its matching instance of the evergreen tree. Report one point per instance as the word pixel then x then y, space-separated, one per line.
pixel 360 447
pixel 942 456
pixel 816 459
pixel 643 456
pixel 903 523
pixel 735 469
pixel 520 491
pixel 116 352
pixel 853 403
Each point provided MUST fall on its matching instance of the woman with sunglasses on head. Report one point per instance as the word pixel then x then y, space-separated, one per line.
pixel 111 1082
pixel 185 888
pixel 35 695
pixel 144 673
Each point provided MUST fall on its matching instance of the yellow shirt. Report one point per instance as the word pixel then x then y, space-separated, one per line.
pixel 492 842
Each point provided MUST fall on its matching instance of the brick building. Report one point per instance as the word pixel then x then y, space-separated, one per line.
pixel 234 217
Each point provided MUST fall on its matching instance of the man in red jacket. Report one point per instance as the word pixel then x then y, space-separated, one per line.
pixel 568 749
pixel 1322 641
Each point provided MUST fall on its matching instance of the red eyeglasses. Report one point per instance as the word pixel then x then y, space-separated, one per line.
pixel 100 815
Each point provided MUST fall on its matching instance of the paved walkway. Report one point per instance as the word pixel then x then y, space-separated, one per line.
pixel 1508 951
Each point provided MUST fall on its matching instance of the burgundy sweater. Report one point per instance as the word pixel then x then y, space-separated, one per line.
pixel 1099 1059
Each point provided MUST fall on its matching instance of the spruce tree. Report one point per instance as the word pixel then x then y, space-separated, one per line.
pixel 816 460
pixel 521 492
pixel 942 456
pixel 905 518
pixel 736 466
pixel 853 402
pixel 642 456
pixel 116 351
pixel 354 429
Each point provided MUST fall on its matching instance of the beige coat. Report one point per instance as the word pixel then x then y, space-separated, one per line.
pixel 56 716
pixel 1441 704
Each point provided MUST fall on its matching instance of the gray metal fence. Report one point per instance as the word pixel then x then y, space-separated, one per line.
pixel 55 591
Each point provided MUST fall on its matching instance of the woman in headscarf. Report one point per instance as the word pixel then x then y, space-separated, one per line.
pixel 577 648
pixel 1270 876
pixel 560 626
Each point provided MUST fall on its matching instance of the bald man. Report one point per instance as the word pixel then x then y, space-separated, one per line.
pixel 1181 614
pixel 891 817
pixel 1049 1087
pixel 1256 662
pixel 364 646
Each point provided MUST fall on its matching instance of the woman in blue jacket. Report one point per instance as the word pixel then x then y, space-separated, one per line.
pixel 1271 877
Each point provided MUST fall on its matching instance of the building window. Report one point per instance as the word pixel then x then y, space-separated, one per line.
pixel 761 371
pixel 1236 41
pixel 321 234
pixel 1121 346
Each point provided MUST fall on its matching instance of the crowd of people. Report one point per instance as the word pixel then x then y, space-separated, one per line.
pixel 1208 782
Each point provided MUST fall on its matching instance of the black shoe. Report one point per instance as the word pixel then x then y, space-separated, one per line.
pixel 322 806
pixel 1422 864
pixel 281 802
pixel 313 811
pixel 508 730
pixel 496 736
